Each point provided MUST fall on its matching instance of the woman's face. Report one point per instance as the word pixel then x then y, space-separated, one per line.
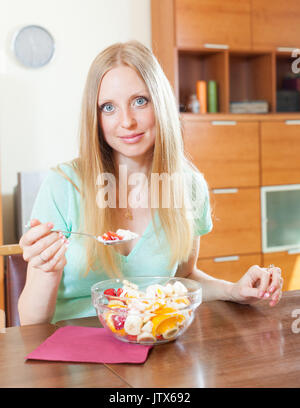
pixel 126 112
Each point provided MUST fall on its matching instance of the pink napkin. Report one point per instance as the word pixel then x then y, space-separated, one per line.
pixel 88 345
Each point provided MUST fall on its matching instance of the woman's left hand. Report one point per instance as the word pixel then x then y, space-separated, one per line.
pixel 258 283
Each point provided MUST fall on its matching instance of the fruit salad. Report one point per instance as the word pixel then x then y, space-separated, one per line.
pixel 158 314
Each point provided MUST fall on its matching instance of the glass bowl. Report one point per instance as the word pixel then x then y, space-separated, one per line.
pixel 146 310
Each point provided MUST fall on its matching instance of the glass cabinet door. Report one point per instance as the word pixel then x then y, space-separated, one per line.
pixel 280 217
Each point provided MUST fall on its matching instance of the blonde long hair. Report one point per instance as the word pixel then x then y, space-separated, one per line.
pixel 95 156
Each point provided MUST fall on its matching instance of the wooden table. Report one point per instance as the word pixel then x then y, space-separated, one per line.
pixel 227 345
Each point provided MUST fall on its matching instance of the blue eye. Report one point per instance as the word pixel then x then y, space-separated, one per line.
pixel 141 101
pixel 107 107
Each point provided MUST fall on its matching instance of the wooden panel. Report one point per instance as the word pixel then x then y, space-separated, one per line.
pixel 290 267
pixel 229 270
pixel 227 155
pixel 10 249
pixel 280 152
pixel 199 22
pixel 236 219
pixel 163 38
pixel 275 23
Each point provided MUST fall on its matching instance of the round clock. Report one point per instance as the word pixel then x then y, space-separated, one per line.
pixel 34 46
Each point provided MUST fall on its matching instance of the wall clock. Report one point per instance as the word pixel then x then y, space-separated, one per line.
pixel 33 46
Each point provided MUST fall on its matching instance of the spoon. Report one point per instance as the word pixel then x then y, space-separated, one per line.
pixel 99 238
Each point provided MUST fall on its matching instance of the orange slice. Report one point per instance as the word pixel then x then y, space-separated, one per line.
pixel 165 320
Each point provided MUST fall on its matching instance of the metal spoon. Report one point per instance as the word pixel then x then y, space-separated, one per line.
pixel 98 239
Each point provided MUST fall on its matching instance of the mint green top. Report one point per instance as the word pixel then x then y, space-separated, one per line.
pixel 58 202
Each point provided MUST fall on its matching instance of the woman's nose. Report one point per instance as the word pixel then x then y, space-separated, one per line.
pixel 127 119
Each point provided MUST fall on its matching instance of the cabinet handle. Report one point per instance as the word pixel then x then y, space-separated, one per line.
pixel 287 49
pixel 292 122
pixel 225 190
pixel 223 46
pixel 227 258
pixel 223 122
pixel 294 251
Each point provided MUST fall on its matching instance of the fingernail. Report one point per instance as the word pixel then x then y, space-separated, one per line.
pixel 67 243
pixel 261 294
pixel 271 290
pixel 50 225
pixel 266 295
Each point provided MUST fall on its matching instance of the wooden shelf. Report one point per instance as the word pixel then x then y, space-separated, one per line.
pixel 270 117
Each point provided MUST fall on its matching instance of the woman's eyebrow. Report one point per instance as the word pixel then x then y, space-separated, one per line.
pixel 138 93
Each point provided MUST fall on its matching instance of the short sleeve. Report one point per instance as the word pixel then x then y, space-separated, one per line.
pixel 200 203
pixel 52 201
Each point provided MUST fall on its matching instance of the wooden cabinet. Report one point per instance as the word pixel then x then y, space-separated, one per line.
pixel 236 220
pixel 207 23
pixel 275 24
pixel 235 44
pixel 290 267
pixel 226 152
pixel 280 152
pixel 230 268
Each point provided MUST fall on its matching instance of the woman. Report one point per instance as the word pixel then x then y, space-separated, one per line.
pixel 130 131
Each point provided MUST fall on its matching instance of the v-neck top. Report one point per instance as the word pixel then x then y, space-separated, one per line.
pixel 58 201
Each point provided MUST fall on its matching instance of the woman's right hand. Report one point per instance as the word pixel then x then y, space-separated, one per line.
pixel 43 249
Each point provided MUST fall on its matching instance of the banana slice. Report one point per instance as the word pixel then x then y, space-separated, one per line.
pixel 146 337
pixel 169 334
pixel 133 325
pixel 147 327
pixel 179 288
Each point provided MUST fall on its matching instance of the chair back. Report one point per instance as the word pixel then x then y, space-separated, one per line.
pixel 15 277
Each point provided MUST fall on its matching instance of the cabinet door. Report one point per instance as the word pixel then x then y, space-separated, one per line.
pixel 204 22
pixel 275 23
pixel 227 153
pixel 236 223
pixel 290 267
pixel 280 152
pixel 229 268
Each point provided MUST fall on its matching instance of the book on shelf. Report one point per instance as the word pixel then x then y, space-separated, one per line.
pixel 212 97
pixel 201 92
pixel 249 107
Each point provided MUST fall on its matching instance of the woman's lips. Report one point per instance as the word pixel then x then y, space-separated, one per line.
pixel 132 138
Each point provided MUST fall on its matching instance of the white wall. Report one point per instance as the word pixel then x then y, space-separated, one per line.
pixel 39 109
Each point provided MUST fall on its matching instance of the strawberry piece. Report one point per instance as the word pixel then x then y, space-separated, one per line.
pixel 131 338
pixel 119 291
pixel 118 321
pixel 110 292
pixel 114 235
